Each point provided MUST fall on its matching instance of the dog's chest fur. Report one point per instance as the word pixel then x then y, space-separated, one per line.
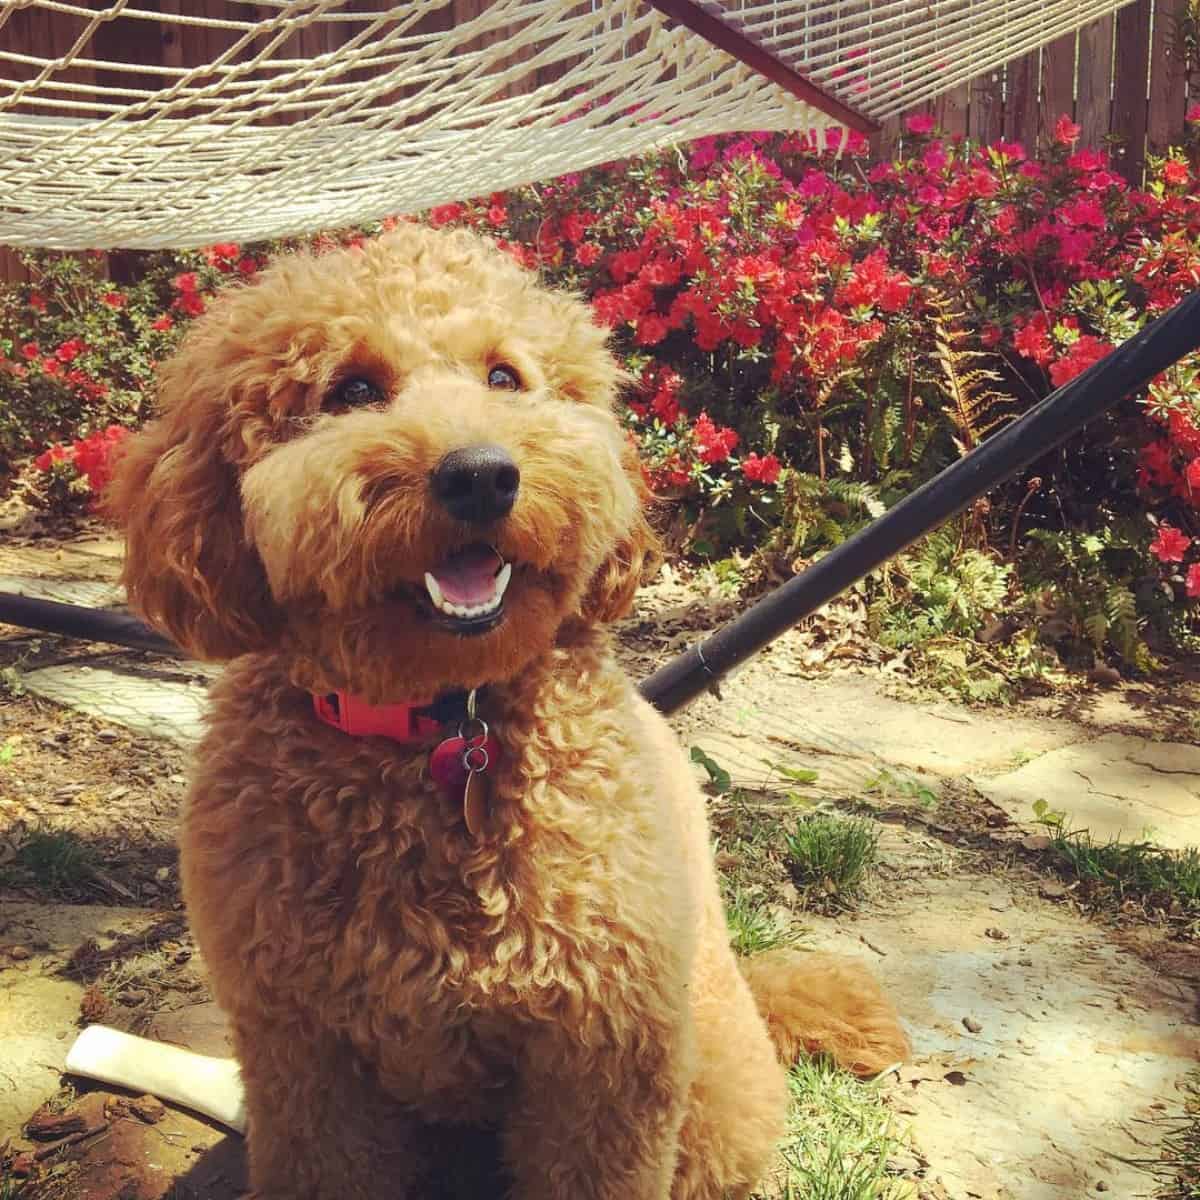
pixel 328 867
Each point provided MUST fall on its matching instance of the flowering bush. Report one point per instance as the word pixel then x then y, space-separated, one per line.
pixel 80 470
pixel 78 349
pixel 783 308
pixel 809 336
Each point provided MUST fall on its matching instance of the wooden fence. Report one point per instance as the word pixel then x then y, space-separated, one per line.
pixel 1124 79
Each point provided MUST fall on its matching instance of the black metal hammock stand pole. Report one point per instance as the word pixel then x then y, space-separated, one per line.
pixel 91 624
pixel 1062 413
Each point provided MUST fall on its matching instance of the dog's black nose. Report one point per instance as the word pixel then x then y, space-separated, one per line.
pixel 477 484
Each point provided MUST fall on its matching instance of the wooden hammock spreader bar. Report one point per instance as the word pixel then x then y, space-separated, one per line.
pixel 736 44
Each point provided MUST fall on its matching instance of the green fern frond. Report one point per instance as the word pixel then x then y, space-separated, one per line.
pixel 1095 625
pixel 974 409
pixel 1120 607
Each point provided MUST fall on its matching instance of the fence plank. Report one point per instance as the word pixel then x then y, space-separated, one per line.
pixel 1021 104
pixel 950 110
pixel 1130 105
pixel 1058 84
pixel 1168 77
pixel 1093 81
pixel 985 116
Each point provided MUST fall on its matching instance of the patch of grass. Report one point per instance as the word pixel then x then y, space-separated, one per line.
pixel 840 1138
pixel 52 860
pixel 1115 872
pixel 10 1186
pixel 887 786
pixel 830 856
pixel 1177 1167
pixel 753 927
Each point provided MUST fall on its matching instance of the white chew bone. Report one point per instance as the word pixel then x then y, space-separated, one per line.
pixel 210 1086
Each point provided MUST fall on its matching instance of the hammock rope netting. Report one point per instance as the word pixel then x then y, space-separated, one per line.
pixel 125 126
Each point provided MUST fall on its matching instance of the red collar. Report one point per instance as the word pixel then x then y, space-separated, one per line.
pixel 415 721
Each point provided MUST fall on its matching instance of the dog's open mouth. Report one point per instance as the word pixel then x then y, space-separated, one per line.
pixel 467 590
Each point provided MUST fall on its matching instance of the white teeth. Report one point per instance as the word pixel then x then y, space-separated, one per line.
pixel 435 592
pixel 469 610
pixel 502 580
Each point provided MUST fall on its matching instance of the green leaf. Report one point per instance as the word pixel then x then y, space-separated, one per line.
pixel 797 774
pixel 718 777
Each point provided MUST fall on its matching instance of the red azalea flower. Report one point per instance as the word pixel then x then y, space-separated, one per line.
pixel 1087 160
pixel 1085 351
pixel 715 442
pixel 185 282
pixel 1032 340
pixel 672 473
pixel 247 266
pixel 114 299
pixel 1066 132
pixel 1175 172
pixel 651 329
pixel 1184 433
pixel 31 351
pixel 497 214
pixel 46 460
pixel 587 254
pixel 990 335
pixel 920 123
pixel 191 303
pixel 1012 151
pixel 1192 475
pixel 1005 221
pixel 934 158
pixel 575 225
pixel 52 366
pixel 37 301
pixel 69 351
pixel 665 406
pixel 1154 459
pixel 761 470
pixel 1193 573
pixel 443 214
pixel 1170 545
pixel 223 252
pixel 163 323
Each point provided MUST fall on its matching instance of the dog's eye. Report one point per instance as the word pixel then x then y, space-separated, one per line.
pixel 504 378
pixel 355 392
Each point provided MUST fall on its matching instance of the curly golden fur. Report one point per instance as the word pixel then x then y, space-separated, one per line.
pixel 564 978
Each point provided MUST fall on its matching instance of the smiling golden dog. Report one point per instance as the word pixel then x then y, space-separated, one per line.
pixel 383 478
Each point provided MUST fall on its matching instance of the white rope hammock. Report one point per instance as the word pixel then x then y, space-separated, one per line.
pixel 239 120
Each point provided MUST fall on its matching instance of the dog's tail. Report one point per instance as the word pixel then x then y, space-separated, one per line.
pixel 822 1004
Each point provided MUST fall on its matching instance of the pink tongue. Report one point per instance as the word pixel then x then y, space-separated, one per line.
pixel 469 577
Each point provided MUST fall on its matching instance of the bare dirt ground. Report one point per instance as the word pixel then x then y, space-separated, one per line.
pixel 1049 1043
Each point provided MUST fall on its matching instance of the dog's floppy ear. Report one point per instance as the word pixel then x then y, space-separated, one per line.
pixel 610 593
pixel 188 569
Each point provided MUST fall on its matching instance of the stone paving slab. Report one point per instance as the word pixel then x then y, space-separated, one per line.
pixel 89 593
pixel 1114 786
pixel 849 731
pixel 95 558
pixel 170 708
pixel 39 1003
pixel 1074 1046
